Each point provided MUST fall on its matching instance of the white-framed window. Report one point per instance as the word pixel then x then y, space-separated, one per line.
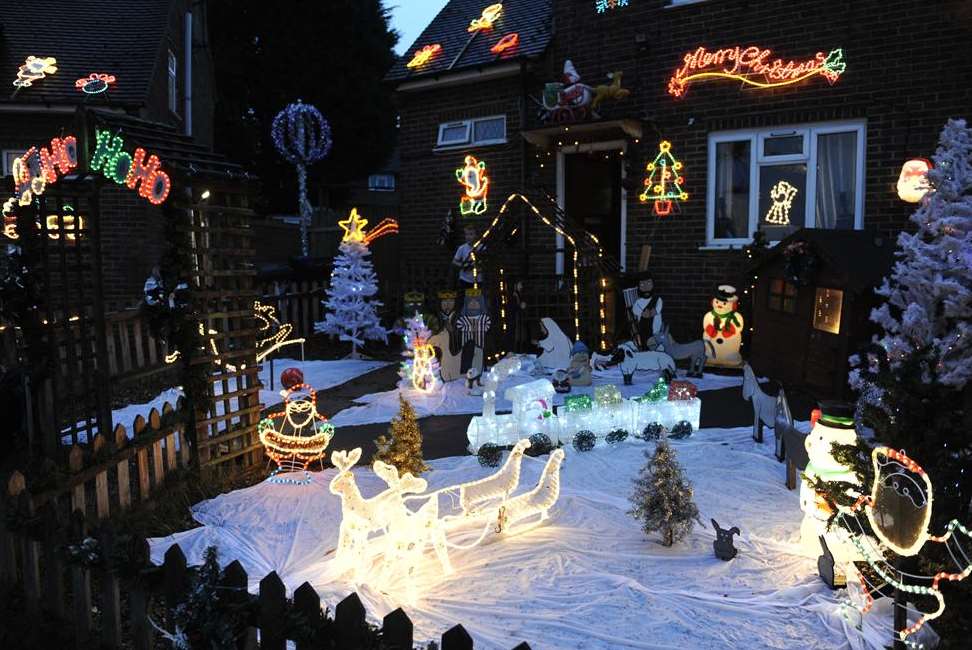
pixel 781 179
pixel 473 132
pixel 173 68
pixel 9 155
pixel 381 183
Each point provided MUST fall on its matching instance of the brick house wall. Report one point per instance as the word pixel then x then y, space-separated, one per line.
pixel 904 78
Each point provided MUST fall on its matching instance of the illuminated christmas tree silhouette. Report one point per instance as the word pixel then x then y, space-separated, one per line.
pixel 664 182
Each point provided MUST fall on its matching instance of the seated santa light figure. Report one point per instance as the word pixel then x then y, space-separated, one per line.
pixel 833 423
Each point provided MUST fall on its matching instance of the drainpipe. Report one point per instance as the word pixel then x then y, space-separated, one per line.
pixel 524 153
pixel 187 118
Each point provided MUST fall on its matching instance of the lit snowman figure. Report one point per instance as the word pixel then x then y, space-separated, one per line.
pixel 722 329
pixel 834 423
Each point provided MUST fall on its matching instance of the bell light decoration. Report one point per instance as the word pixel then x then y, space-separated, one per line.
pixel 913 180
pixel 296 436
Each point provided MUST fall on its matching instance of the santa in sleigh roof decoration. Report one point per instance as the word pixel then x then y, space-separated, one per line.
pixel 571 100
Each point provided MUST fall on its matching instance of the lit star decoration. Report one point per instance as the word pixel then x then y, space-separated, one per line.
pixel 782 195
pixel 95 83
pixel 424 55
pixel 604 5
pixel 664 182
pixel 472 176
pixel 34 69
pixel 275 334
pixel 39 167
pixel 752 66
pixel 353 227
pixel 298 435
pixel 130 169
pixel 508 42
pixel 488 17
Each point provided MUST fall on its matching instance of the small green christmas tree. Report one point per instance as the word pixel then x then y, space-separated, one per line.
pixel 662 499
pixel 403 446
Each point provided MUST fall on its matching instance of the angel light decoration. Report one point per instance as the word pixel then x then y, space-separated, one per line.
pixel 296 436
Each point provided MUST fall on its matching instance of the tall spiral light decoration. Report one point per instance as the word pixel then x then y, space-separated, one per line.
pixel 302 136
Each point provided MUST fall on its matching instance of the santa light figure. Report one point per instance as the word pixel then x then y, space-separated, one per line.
pixel 722 329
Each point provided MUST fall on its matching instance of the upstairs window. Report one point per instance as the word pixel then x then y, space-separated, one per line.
pixel 381 183
pixel 473 132
pixel 173 86
pixel 782 179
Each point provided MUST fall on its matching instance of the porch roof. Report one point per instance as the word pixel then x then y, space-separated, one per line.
pixel 583 132
pixel 463 50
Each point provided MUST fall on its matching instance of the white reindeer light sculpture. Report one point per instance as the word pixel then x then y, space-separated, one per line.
pixel 497 486
pixel 539 500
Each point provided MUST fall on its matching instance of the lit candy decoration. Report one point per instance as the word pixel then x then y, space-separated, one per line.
pixel 386 226
pixel 681 390
pixel 95 83
pixel 913 180
pixel 39 166
pixel 899 509
pixel 782 195
pixel 302 137
pixel 485 21
pixel 275 334
pixel 750 65
pixel 657 393
pixel 424 55
pixel 353 227
pixel 472 176
pixel 609 395
pixel 296 436
pixel 34 69
pixel 664 182
pixel 603 5
pixel 130 170
pixel 575 403
pixel 72 224
pixel 508 42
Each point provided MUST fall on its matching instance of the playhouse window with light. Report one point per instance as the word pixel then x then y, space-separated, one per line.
pixel 472 132
pixel 827 306
pixel 781 179
pixel 782 296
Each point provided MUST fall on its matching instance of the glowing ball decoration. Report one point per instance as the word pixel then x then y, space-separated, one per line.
pixel 302 137
pixel 913 180
pixel 291 377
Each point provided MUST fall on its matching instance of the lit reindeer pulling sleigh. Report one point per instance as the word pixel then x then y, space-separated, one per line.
pixel 403 534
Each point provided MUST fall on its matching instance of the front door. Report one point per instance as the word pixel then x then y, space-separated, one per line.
pixel 592 195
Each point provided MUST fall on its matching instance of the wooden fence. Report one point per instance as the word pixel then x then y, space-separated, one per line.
pixel 75 571
pixel 298 302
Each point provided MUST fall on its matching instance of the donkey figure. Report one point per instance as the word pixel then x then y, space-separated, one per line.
pixel 694 351
pixel 768 410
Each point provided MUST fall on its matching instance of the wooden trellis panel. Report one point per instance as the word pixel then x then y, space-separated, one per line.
pixel 224 291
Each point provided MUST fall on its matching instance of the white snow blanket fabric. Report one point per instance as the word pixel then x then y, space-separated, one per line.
pixel 586 578
pixel 319 374
pixel 453 398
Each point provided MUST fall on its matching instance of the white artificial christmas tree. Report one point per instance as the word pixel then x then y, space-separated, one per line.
pixel 351 304
pixel 929 292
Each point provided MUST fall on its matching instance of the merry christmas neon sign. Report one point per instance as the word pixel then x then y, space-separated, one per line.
pixel 130 169
pixel 752 66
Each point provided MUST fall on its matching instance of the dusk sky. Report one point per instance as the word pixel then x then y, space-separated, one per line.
pixel 410 17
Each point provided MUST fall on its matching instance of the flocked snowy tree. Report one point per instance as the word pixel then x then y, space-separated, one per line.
pixel 403 445
pixel 352 309
pixel 662 499
pixel 929 292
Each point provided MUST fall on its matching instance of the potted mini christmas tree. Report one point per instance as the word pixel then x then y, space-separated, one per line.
pixel 402 448
pixel 662 499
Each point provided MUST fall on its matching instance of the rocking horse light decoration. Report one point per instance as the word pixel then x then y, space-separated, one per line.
pixel 275 334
